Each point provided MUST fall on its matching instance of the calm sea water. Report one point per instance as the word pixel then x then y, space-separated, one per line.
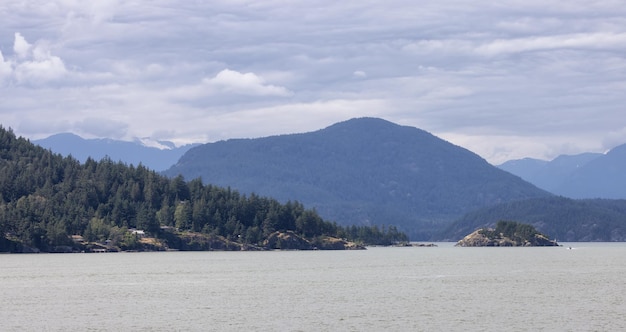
pixel 395 289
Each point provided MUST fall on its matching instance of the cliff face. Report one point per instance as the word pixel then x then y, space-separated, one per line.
pixel 487 238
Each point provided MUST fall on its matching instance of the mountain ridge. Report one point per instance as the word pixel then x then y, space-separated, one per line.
pixel 581 176
pixel 363 171
pixel 137 152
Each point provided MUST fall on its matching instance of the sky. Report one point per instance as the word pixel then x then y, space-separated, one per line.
pixel 504 79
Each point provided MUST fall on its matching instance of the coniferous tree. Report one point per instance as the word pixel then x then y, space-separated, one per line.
pixel 46 198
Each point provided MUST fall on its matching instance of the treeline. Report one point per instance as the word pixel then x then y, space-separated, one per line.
pixel 46 198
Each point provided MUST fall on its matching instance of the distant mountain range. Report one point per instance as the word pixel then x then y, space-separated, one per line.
pixel 361 171
pixel 587 175
pixel 370 171
pixel 156 155
pixel 581 176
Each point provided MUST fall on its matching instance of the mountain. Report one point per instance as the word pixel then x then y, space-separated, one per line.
pixel 602 177
pixel 561 218
pixel 587 175
pixel 548 175
pixel 364 171
pixel 158 157
pixel 528 169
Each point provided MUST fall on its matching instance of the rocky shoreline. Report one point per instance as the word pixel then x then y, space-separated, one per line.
pixel 507 234
pixel 191 241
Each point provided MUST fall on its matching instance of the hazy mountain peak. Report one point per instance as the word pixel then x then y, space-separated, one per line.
pixel 368 126
pixel 363 123
pixel 156 155
pixel 585 175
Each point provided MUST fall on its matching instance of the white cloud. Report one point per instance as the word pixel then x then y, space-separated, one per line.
pixel 231 81
pixel 359 74
pixel 439 46
pixel 6 69
pixel 292 118
pixel 21 47
pixel 42 123
pixel 32 64
pixel 503 78
pixel 503 47
pixel 101 127
pixel 40 70
pixel 614 138
pixel 594 41
pixel 500 148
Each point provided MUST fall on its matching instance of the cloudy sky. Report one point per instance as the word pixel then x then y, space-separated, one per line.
pixel 504 79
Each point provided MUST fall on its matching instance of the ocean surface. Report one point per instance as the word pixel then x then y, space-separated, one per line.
pixel 443 288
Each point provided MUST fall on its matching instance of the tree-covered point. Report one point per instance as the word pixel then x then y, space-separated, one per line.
pixel 507 234
pixel 511 229
pixel 45 199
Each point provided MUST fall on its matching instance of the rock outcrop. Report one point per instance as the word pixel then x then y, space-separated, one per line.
pixel 333 243
pixel 289 240
pixel 507 234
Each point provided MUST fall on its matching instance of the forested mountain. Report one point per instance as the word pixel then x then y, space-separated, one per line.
pixel 46 198
pixel 135 153
pixel 587 175
pixel 363 171
pixel 561 218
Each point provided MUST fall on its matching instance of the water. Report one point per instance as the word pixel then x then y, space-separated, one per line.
pixel 394 289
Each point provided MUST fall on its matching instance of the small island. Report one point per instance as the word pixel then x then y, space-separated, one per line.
pixel 507 234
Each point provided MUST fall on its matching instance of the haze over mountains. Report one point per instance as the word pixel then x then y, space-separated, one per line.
pixel 156 155
pixel 581 176
pixel 586 175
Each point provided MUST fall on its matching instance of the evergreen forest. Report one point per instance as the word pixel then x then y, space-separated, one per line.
pixel 51 203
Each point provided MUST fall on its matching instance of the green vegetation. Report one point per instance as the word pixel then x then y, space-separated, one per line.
pixel 362 171
pixel 506 234
pixel 515 231
pixel 563 218
pixel 45 199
